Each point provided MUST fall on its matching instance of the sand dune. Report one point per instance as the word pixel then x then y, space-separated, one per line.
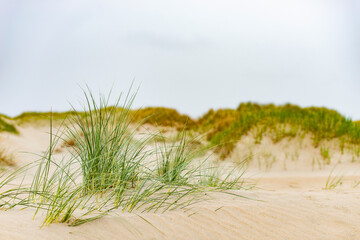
pixel 279 215
pixel 286 204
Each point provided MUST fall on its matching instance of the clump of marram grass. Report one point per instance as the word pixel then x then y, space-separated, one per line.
pixel 333 181
pixel 173 161
pixel 176 166
pixel 107 169
pixel 106 153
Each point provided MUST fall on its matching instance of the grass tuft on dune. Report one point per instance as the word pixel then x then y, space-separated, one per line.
pixel 5 126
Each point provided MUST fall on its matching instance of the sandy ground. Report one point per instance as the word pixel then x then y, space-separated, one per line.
pixel 287 203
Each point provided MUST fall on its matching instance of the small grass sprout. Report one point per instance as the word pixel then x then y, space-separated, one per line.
pixel 333 181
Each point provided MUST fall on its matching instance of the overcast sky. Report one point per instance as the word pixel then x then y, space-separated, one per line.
pixel 189 55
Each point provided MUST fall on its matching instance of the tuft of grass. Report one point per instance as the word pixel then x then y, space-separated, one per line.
pixel 333 181
pixel 105 148
pixel 173 162
pixel 178 161
pixel 222 178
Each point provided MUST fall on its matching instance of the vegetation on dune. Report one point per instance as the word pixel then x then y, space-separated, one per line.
pixel 107 169
pixel 160 116
pixel 224 127
pixel 278 122
pixel 43 117
pixel 5 126
pixel 174 160
pixel 6 159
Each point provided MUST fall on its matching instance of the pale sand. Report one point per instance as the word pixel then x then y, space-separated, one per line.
pixel 287 204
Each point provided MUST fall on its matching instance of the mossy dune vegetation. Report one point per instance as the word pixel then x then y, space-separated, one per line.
pixel 6 125
pixel 42 118
pixel 224 127
pixel 165 117
pixel 107 169
pixel 277 121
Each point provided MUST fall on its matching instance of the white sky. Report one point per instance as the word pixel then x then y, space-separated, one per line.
pixel 189 55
